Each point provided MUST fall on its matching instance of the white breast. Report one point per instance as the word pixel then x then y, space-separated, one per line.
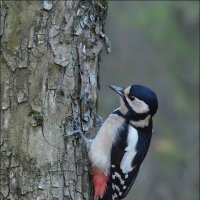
pixel 100 151
pixel 126 163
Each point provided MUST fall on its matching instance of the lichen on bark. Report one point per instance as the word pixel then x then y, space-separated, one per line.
pixel 50 59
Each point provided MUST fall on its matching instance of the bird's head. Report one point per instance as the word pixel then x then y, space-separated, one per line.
pixel 137 100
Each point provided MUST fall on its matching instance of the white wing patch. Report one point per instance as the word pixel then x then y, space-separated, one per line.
pixel 126 163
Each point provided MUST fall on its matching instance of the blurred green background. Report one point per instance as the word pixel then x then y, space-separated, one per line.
pixel 156 43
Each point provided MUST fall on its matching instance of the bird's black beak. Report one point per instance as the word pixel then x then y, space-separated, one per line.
pixel 117 89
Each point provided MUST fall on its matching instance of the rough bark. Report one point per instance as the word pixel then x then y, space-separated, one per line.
pixel 49 79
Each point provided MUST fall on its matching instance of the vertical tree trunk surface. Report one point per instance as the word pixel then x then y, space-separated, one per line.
pixel 49 69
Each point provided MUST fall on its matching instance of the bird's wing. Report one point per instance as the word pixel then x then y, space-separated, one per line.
pixel 119 183
pixel 125 163
pixel 132 177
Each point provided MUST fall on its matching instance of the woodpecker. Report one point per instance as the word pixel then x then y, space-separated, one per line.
pixel 122 142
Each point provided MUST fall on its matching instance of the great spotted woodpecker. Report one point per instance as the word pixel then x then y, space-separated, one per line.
pixel 122 142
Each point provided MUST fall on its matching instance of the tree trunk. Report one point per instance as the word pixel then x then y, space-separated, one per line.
pixel 49 69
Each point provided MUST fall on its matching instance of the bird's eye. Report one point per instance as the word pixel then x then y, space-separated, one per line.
pixel 131 98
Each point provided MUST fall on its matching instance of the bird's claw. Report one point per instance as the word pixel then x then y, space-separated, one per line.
pixel 75 133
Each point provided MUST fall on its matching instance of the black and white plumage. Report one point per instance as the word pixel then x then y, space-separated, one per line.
pixel 122 142
pixel 126 160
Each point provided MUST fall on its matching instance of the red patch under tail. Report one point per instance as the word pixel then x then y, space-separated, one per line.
pixel 100 182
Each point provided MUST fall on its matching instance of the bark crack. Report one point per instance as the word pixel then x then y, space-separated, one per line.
pixel 51 56
pixel 4 13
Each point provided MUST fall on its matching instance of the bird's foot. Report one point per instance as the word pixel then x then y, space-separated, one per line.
pixel 77 134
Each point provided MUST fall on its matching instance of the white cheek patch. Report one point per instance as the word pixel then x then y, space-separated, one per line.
pixel 123 107
pixel 126 163
pixel 138 106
